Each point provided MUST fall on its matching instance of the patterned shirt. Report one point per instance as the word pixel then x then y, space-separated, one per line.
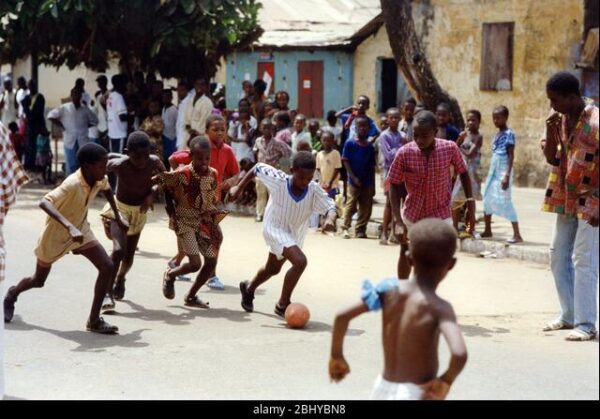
pixel 427 178
pixel 12 174
pixel 195 197
pixel 573 183
pixel 502 140
pixel 271 152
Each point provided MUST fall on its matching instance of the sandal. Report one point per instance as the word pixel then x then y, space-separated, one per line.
pixel 100 326
pixel 579 335
pixel 557 324
pixel 195 302
pixel 168 287
pixel 247 297
pixel 280 310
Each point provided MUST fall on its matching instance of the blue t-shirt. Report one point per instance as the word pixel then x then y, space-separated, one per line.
pixel 362 161
pixel 351 132
pixel 452 133
pixel 502 140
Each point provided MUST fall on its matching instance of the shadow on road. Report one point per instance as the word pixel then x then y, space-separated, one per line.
pixel 478 331
pixel 168 317
pixel 312 326
pixel 87 341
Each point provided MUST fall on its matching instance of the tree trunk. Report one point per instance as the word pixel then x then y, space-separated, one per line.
pixel 411 60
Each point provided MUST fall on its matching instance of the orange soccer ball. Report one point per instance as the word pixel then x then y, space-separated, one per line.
pixel 297 315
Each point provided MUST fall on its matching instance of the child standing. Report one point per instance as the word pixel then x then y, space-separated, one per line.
pixel 360 161
pixel 315 135
pixel 135 197
pixel 18 140
pixel 43 156
pixel 408 113
pixel 445 130
pixel 413 317
pixel 153 126
pixel 194 189
pixel 333 127
pixel 269 151
pixel 67 229
pixel 329 164
pixel 390 142
pixel 292 201
pixel 497 197
pixel 299 134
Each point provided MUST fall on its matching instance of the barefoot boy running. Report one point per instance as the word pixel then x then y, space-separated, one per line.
pixel 413 317
pixel 67 229
pixel 292 200
pixel 134 198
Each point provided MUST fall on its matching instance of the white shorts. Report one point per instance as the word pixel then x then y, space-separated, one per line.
pixel 278 240
pixel 387 390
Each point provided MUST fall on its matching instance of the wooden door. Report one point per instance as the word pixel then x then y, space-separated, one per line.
pixel 310 88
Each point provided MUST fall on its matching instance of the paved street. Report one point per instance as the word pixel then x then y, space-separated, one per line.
pixel 168 351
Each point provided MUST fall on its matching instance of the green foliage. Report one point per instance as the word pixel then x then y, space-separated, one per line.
pixel 177 38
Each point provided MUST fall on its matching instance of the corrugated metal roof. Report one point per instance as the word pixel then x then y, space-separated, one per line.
pixel 318 23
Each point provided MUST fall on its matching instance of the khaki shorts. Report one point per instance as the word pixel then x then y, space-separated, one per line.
pixel 56 242
pixel 131 214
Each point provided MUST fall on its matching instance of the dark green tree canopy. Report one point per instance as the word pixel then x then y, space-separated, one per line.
pixel 177 38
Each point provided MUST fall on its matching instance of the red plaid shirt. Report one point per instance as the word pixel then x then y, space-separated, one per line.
pixel 428 179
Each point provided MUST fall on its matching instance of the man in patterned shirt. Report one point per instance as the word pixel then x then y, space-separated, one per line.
pixel 422 173
pixel 571 148
pixel 12 176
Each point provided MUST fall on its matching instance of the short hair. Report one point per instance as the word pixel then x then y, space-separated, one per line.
pixel 425 119
pixel 300 116
pixel 91 153
pixel 283 92
pixel 80 82
pixel 260 86
pixel 331 114
pixel 563 83
pixel 327 134
pixel 361 118
pixel 201 142
pixel 244 100
pixel 212 119
pixel 443 106
pixel 283 116
pixel 304 160
pixel 501 109
pixel 266 121
pixel 411 100
pixel 102 77
pixel 76 91
pixel 363 97
pixel 117 80
pixel 246 82
pixel 138 140
pixel 168 91
pixel 12 126
pixel 392 110
pixel 313 122
pixel 432 243
pixel 476 113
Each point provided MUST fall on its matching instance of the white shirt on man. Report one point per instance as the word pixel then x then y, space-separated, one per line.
pixel 181 110
pixel 21 94
pixel 197 113
pixel 115 106
pixel 76 121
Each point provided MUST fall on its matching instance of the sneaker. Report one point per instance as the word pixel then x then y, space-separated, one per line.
pixel 215 283
pixel 247 297
pixel 100 326
pixel 259 218
pixel 119 290
pixel 346 234
pixel 108 304
pixel 9 306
